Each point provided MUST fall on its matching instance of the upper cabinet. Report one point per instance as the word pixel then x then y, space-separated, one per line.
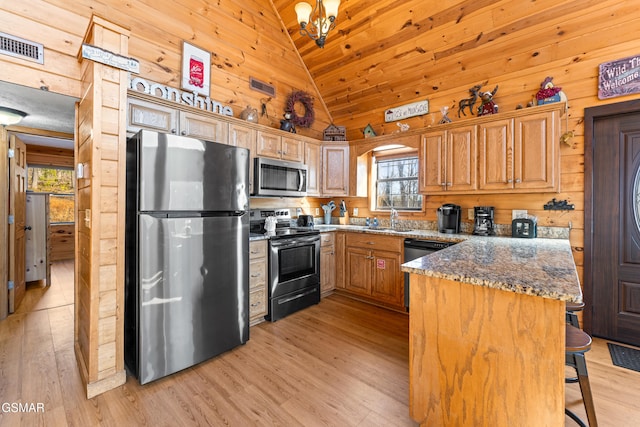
pixel 313 160
pixel 520 154
pixel 245 137
pixel 279 147
pixel 448 159
pixel 152 116
pixel 335 165
pixel 514 152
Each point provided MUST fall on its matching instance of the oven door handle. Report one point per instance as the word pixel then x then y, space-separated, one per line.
pixel 294 241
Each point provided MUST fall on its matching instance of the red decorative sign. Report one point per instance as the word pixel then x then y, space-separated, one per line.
pixel 381 264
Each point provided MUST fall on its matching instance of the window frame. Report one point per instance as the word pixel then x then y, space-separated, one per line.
pixel 390 155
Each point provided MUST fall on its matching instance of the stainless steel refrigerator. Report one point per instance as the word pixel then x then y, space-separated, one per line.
pixel 187 252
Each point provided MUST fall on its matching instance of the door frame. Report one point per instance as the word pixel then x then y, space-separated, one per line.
pixel 590 116
pixel 4 227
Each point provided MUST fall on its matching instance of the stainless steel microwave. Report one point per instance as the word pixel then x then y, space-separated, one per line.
pixel 279 178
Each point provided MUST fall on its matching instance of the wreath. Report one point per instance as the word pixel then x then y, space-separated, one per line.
pixel 307 102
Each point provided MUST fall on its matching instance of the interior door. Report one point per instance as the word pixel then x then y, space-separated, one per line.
pixel 612 225
pixel 17 209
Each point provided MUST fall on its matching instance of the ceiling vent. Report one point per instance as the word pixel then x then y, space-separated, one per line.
pixel 263 87
pixel 21 48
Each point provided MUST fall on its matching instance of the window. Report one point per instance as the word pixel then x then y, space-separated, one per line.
pixel 396 184
pixel 58 182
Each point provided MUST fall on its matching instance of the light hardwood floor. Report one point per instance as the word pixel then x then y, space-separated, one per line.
pixel 340 363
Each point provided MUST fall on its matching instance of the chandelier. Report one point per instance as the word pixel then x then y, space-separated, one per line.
pixel 317 22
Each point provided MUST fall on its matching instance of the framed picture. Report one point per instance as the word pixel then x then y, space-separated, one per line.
pixel 196 69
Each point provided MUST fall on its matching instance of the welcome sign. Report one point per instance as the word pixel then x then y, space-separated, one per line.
pixel 619 77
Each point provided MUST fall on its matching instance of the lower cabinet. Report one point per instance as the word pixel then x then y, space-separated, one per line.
pixel 372 268
pixel 257 281
pixel 327 263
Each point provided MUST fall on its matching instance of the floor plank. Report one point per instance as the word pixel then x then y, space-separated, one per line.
pixel 339 363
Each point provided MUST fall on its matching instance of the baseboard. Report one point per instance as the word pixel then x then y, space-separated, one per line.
pixel 96 388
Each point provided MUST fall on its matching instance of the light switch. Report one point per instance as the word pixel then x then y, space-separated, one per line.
pixel 355 211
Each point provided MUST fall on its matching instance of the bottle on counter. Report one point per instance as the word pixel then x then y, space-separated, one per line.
pixel 367 222
pixel 375 221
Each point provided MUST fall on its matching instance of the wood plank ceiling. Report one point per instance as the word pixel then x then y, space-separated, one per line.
pixel 387 53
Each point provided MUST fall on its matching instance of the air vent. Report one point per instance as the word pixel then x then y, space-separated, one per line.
pixel 263 87
pixel 21 48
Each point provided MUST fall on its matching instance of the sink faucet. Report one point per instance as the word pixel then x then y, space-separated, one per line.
pixel 393 218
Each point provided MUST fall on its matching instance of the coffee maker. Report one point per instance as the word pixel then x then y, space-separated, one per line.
pixel 449 219
pixel 483 222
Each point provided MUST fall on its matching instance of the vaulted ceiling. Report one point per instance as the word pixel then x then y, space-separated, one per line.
pixel 387 53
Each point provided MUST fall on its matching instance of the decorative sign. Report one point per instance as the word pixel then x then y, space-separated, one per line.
pixel 381 264
pixel 179 97
pixel 410 110
pixel 335 133
pixel 111 59
pixel 196 69
pixel 619 77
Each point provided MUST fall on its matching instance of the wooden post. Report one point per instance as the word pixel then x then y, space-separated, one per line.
pixel 99 277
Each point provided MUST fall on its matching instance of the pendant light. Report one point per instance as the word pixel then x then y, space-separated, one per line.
pixel 317 22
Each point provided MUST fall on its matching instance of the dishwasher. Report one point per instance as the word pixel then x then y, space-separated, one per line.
pixel 417 248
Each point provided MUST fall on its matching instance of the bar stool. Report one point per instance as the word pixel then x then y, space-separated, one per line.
pixel 577 343
pixel 571 308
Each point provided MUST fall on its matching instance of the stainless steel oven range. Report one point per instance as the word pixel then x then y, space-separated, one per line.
pixel 294 263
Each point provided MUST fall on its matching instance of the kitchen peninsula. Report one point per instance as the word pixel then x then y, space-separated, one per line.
pixel 487 331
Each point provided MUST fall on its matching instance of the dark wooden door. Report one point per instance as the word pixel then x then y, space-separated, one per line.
pixel 612 226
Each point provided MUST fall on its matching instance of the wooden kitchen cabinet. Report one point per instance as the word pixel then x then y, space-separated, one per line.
pixel 257 281
pixel 279 147
pixel 536 151
pixel 519 154
pixel 335 166
pixel 245 137
pixel 327 263
pixel 448 159
pixel 372 268
pixel 313 160
pixel 148 115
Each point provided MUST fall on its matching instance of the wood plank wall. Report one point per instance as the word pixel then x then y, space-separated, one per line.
pixel 245 38
pixel 100 206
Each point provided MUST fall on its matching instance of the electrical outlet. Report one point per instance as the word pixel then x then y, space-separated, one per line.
pixel 518 213
pixel 470 214
pixel 355 211
pixel 317 211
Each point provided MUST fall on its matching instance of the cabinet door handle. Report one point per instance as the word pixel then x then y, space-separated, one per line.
pixel 184 132
pixel 509 181
pixel 518 180
pixel 255 275
pixel 174 131
pixel 371 243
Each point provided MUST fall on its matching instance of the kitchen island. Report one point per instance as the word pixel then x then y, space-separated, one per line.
pixel 487 331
